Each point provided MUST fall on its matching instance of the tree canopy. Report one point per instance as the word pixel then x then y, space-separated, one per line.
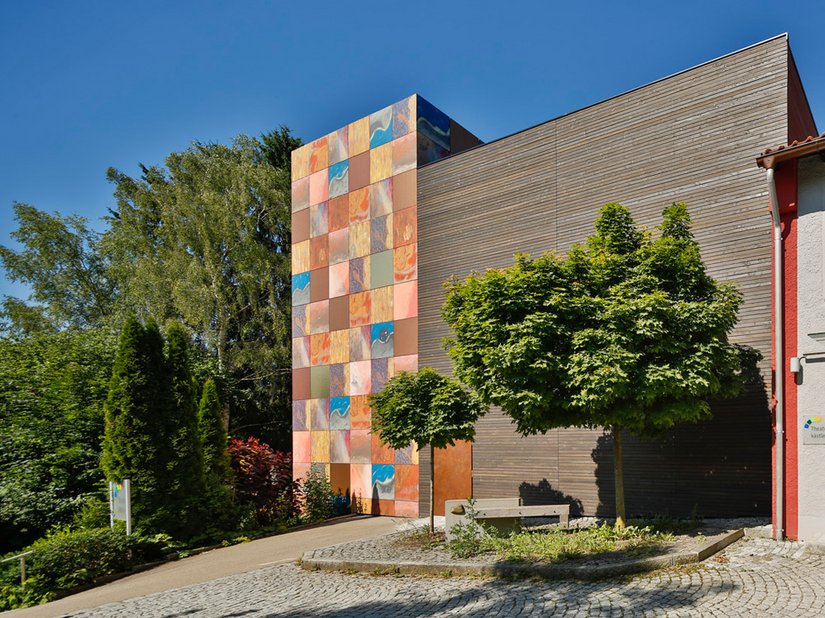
pixel 626 331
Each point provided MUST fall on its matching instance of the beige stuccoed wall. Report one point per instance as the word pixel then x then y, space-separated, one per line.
pixel 811 319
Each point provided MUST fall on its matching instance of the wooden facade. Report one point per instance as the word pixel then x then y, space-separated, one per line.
pixel 690 137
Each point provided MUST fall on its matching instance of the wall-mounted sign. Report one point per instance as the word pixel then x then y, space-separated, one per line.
pixel 813 430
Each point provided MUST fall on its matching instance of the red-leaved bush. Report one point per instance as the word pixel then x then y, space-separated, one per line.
pixel 263 477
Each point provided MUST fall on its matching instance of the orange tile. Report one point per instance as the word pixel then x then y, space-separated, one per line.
pixel 381 453
pixel 406 508
pixel 338 213
pixel 300 257
pixel 319 349
pixel 319 252
pixel 359 412
pixel 300 194
pixel 405 227
pixel 404 190
pixel 382 304
pixel 406 482
pixel 383 507
pixel 300 162
pixel 405 263
pixel 359 239
pixel 318 156
pixel 359 136
pixel 381 162
pixel 359 309
pixel 359 205
pixel 339 346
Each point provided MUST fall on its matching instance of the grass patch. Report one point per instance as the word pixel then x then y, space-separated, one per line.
pixel 557 545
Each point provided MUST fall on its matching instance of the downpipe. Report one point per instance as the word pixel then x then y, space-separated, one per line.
pixel 779 371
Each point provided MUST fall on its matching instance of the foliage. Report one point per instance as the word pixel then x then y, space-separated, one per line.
pixel 65 559
pixel 60 261
pixel 626 331
pixel 136 443
pixel 214 446
pixel 52 389
pixel 317 497
pixel 186 471
pixel 205 240
pixel 424 408
pixel 556 545
pixel 263 479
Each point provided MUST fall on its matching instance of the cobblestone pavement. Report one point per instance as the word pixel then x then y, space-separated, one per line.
pixel 753 577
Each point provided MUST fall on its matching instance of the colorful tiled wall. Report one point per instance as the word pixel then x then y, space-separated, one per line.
pixel 355 294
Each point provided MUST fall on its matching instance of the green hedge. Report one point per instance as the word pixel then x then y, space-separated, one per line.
pixel 65 559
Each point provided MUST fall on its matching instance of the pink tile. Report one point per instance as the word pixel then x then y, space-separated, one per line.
pixel 319 317
pixel 406 508
pixel 301 446
pixel 300 194
pixel 300 352
pixel 339 279
pixel 318 187
pixel 361 480
pixel 360 382
pixel 406 363
pixel 405 300
pixel 338 246
pixel 360 446
pixel 339 445
pixel 300 470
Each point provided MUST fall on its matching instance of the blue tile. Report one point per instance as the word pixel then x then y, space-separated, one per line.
pixel 381 127
pixel 300 289
pixel 433 123
pixel 339 179
pixel 339 413
pixel 383 481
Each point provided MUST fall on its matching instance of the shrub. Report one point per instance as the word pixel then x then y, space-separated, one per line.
pixel 317 497
pixel 263 478
pixel 65 559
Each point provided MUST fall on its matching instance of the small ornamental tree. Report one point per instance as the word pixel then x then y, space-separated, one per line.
pixel 263 478
pixel 626 332
pixel 424 408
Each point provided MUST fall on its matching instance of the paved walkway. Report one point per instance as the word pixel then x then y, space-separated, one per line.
pixel 218 563
pixel 753 577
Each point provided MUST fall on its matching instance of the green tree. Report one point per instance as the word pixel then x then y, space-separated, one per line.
pixel 424 408
pixel 60 261
pixel 52 389
pixel 627 332
pixel 186 470
pixel 206 240
pixel 136 441
pixel 213 434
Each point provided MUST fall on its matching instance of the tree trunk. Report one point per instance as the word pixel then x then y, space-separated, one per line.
pixel 432 495
pixel 618 476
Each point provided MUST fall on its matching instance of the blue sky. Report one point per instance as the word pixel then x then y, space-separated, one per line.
pixel 88 85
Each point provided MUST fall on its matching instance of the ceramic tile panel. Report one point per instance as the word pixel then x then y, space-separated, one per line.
pixel 359 136
pixel 318 219
pixel 405 263
pixel 381 198
pixel 339 179
pixel 300 194
pixel 338 347
pixel 300 225
pixel 355 294
pixel 318 187
pixel 339 478
pixel 318 156
pixel 383 481
pixel 404 151
pixel 300 162
pixel 380 127
pixel 338 246
pixel 300 418
pixel 380 164
pixel 339 279
pixel 320 446
pixel 403 117
pixel 319 414
pixel 338 145
pixel 339 377
pixel 301 447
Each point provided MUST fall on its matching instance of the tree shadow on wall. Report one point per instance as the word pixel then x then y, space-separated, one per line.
pixel 717 468
pixel 543 493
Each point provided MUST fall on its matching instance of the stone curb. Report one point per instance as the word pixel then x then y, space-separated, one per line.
pixel 509 569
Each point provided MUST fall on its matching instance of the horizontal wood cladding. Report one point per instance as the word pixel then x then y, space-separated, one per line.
pixel 693 138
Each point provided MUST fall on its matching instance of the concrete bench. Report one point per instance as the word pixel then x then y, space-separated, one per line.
pixel 504 514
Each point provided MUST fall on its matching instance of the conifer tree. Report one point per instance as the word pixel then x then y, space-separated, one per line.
pixel 213 440
pixel 135 444
pixel 186 465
